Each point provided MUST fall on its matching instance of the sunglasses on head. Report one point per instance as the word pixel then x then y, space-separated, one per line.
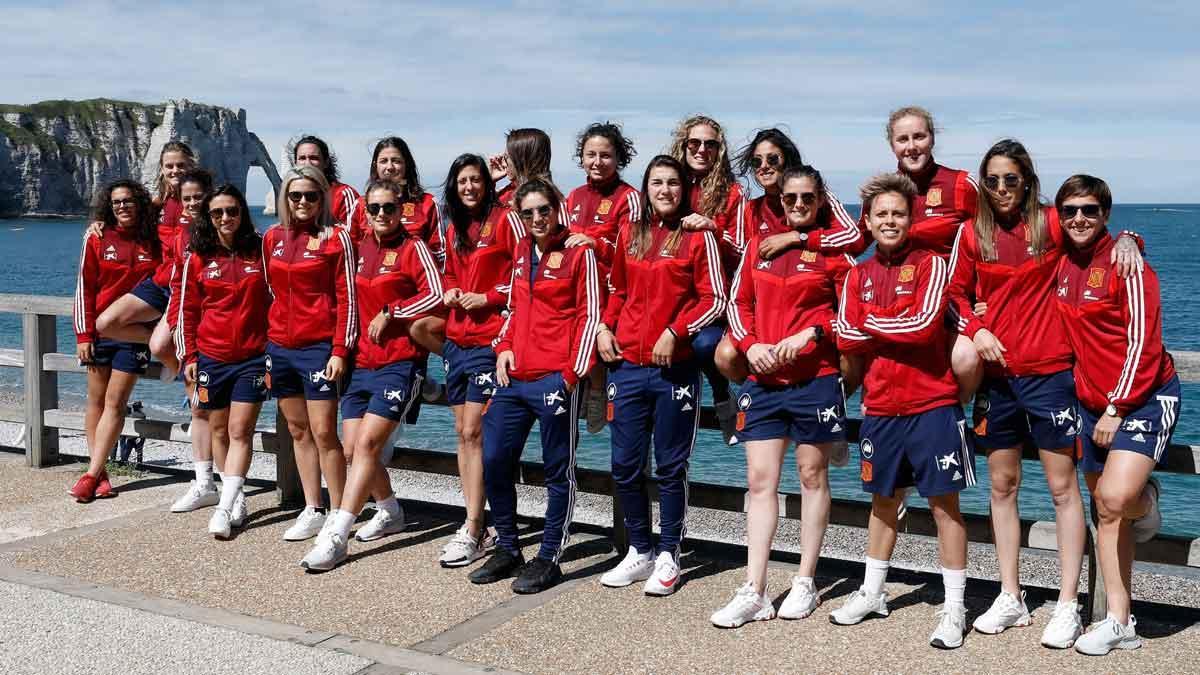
pixel 1011 181
pixel 711 145
pixel 388 208
pixel 789 199
pixel 310 196
pixel 230 211
pixel 1068 211
pixel 527 214
pixel 770 160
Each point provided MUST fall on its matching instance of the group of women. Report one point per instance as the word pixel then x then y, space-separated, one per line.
pixel 611 302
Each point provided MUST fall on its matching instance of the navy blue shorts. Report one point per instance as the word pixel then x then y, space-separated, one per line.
pixel 810 412
pixel 388 392
pixel 1037 409
pixel 470 373
pixel 1146 431
pixel 931 450
pixel 219 383
pixel 152 294
pixel 300 372
pixel 127 357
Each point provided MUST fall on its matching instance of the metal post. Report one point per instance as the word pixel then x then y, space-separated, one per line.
pixel 41 390
pixel 287 478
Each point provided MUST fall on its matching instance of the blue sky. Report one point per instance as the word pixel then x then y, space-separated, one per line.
pixel 1096 87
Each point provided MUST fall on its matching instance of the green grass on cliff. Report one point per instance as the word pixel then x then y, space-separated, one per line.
pixel 91 112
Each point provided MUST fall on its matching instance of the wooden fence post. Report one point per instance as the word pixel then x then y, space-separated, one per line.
pixel 1097 607
pixel 287 478
pixel 41 389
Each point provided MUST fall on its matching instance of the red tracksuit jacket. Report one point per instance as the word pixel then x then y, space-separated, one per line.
pixel 945 198
pixel 1114 327
pixel 179 251
pixel 312 287
pixel 223 301
pixel 601 212
pixel 893 311
pixel 728 220
pixel 110 265
pixel 777 298
pixel 551 324
pixel 343 202
pixel 169 224
pixel 835 233
pixel 420 218
pixel 399 273
pixel 681 288
pixel 486 269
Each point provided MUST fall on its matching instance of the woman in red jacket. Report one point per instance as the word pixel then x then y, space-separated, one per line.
pixel 782 317
pixel 546 346
pixel 343 199
pixel 397 281
pixel 312 328
pixel 1129 395
pixel 222 339
pixel 483 235
pixel 1005 258
pixel 666 286
pixel 124 253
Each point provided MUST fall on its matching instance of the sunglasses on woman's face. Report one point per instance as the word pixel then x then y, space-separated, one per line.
pixel 229 211
pixel 1068 211
pixel 771 160
pixel 388 208
pixel 310 196
pixel 710 145
pixel 527 214
pixel 789 199
pixel 1011 181
pixel 118 203
pixel 192 198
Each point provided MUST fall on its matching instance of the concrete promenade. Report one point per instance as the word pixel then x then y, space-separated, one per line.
pixel 122 585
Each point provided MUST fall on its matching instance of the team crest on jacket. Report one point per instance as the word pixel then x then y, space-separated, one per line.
pixel 389 259
pixel 485 231
pixel 934 198
pixel 906 273
pixel 410 210
pixel 313 243
pixel 605 207
pixel 1096 277
pixel 809 256
pixel 554 261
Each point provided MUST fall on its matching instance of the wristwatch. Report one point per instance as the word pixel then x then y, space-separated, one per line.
pixel 803 237
pixel 1111 410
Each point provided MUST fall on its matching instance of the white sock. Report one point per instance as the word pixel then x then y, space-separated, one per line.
pixel 231 487
pixel 806 580
pixel 876 574
pixel 955 582
pixel 204 472
pixel 1114 618
pixel 340 522
pixel 391 505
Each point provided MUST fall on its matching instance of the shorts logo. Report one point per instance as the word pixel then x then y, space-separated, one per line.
pixel 483 379
pixel 829 414
pixel 683 392
pixel 317 376
pixel 612 391
pixel 1067 418
pixel 393 394
pixel 867 472
pixel 1096 277
pixel 202 378
pixel 260 381
pixel 267 361
pixel 202 394
pixel 1138 426
pixel 1139 438
pixel 944 462
pixel 867 448
pixel 552 398
pixel 934 197
pixel 744 401
pixel 906 273
pixel 605 207
pixel 142 356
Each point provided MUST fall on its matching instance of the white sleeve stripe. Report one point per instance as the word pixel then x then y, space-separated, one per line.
pixel 714 279
pixel 180 343
pixel 849 231
pixel 348 264
pixel 844 328
pixel 431 299
pixel 736 327
pixel 80 303
pixel 266 264
pixel 929 305
pixel 587 341
pixel 1135 334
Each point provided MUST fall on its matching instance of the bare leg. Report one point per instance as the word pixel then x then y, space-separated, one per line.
pixel 322 419
pixel 731 362
pixel 162 345
pixel 429 332
pixel 1004 468
pixel 97 385
pixel 126 320
pixel 219 429
pixel 813 464
pixel 112 419
pixel 967 367
pixel 241 419
pixel 952 531
pixel 852 367
pixel 764 463
pixel 1121 497
pixel 373 432
pixel 295 411
pixel 1070 527
pixel 881 530
pixel 468 423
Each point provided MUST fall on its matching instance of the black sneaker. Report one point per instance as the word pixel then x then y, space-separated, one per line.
pixel 501 565
pixel 536 576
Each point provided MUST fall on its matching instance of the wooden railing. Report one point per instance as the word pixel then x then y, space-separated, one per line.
pixel 42 419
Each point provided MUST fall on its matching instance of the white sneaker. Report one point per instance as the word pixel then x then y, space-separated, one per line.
pixel 950 629
pixel 219 524
pixel 381 525
pixel 329 551
pixel 463 549
pixel 239 513
pixel 1147 526
pixel 308 525
pixel 1064 627
pixel 727 420
pixel 1107 636
pixel 801 601
pixel 858 607
pixel 839 454
pixel 745 606
pixel 635 567
pixel 1006 610
pixel 198 496
pixel 665 578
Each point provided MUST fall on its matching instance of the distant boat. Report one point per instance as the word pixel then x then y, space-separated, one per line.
pixel 269 201
pixel 15 229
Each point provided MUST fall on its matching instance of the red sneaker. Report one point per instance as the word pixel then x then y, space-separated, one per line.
pixel 104 488
pixel 84 490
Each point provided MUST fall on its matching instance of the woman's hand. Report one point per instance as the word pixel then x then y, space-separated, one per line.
pixel 95 227
pixel 695 221
pixel 777 243
pixel 989 346
pixel 189 372
pixel 1127 256
pixel 378 325
pixel 504 363
pixel 606 344
pixel 762 358
pixel 579 239
pixel 664 348
pixel 1106 430
pixel 451 297
pixel 569 387
pixel 335 368
pixel 472 301
pixel 498 166
pixel 86 353
pixel 791 346
pixel 980 308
